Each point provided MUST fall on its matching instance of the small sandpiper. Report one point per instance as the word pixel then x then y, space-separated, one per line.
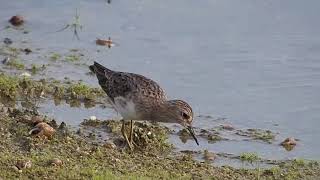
pixel 136 97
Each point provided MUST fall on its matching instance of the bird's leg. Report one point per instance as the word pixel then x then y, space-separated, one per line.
pixel 123 130
pixel 131 132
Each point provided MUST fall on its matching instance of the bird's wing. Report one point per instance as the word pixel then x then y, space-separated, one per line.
pixel 129 84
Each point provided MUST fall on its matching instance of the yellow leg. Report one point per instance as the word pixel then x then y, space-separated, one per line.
pixel 123 130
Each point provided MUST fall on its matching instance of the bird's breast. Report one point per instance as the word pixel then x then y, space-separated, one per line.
pixel 126 107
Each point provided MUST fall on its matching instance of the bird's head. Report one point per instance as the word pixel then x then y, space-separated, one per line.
pixel 181 112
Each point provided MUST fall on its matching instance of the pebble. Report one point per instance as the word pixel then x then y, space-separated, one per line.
pixel 25 74
pixel 209 156
pixel 43 129
pixel 93 118
pixel 7 41
pixel 16 20
pixel 290 141
pixel 56 162
pixel 228 127
pixel 23 164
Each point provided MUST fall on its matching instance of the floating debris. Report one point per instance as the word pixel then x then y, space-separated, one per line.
pixel 16 20
pixel 102 42
pixel 289 143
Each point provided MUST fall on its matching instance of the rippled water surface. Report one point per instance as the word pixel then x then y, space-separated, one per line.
pixel 253 64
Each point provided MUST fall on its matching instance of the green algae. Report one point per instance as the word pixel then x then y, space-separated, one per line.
pixel 54 56
pixel 72 58
pixel 82 91
pixel 258 134
pixel 35 68
pixel 14 87
pixel 8 86
pixel 83 159
pixel 15 63
pixel 249 157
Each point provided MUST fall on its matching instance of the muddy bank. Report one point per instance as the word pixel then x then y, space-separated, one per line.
pixel 69 154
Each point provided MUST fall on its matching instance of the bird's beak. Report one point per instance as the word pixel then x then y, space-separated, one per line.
pixel 190 129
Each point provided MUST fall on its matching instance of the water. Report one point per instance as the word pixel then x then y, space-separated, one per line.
pixel 255 63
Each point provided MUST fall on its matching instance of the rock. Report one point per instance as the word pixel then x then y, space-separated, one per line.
pixel 42 129
pixel 227 127
pixel 27 51
pixel 36 119
pixel 93 118
pixel 56 162
pixel 289 143
pixel 209 156
pixel 25 74
pixel 6 60
pixel 109 145
pixel 16 20
pixel 7 41
pixel 23 164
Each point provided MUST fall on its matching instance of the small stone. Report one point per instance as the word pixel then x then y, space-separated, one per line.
pixel 15 168
pixel 36 119
pixel 16 20
pixel 7 41
pixel 93 118
pixel 227 127
pixel 27 50
pixel 23 164
pixel 43 129
pixel 209 156
pixel 79 131
pixel 25 74
pixel 289 143
pixel 56 162
pixel 62 125
pixel 6 60
pixel 109 145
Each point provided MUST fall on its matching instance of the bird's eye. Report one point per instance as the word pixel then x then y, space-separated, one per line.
pixel 185 116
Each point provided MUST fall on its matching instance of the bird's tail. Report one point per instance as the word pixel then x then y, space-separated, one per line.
pixel 99 70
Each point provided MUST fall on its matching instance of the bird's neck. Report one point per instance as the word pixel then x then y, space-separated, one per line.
pixel 163 112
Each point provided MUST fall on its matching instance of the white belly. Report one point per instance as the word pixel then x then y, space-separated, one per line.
pixel 126 108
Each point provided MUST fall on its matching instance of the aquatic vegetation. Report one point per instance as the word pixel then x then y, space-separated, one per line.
pixel 82 91
pixel 67 154
pixel 72 57
pixel 35 69
pixel 54 56
pixel 258 134
pixel 15 63
pixel 8 86
pixel 249 157
pixel 75 25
